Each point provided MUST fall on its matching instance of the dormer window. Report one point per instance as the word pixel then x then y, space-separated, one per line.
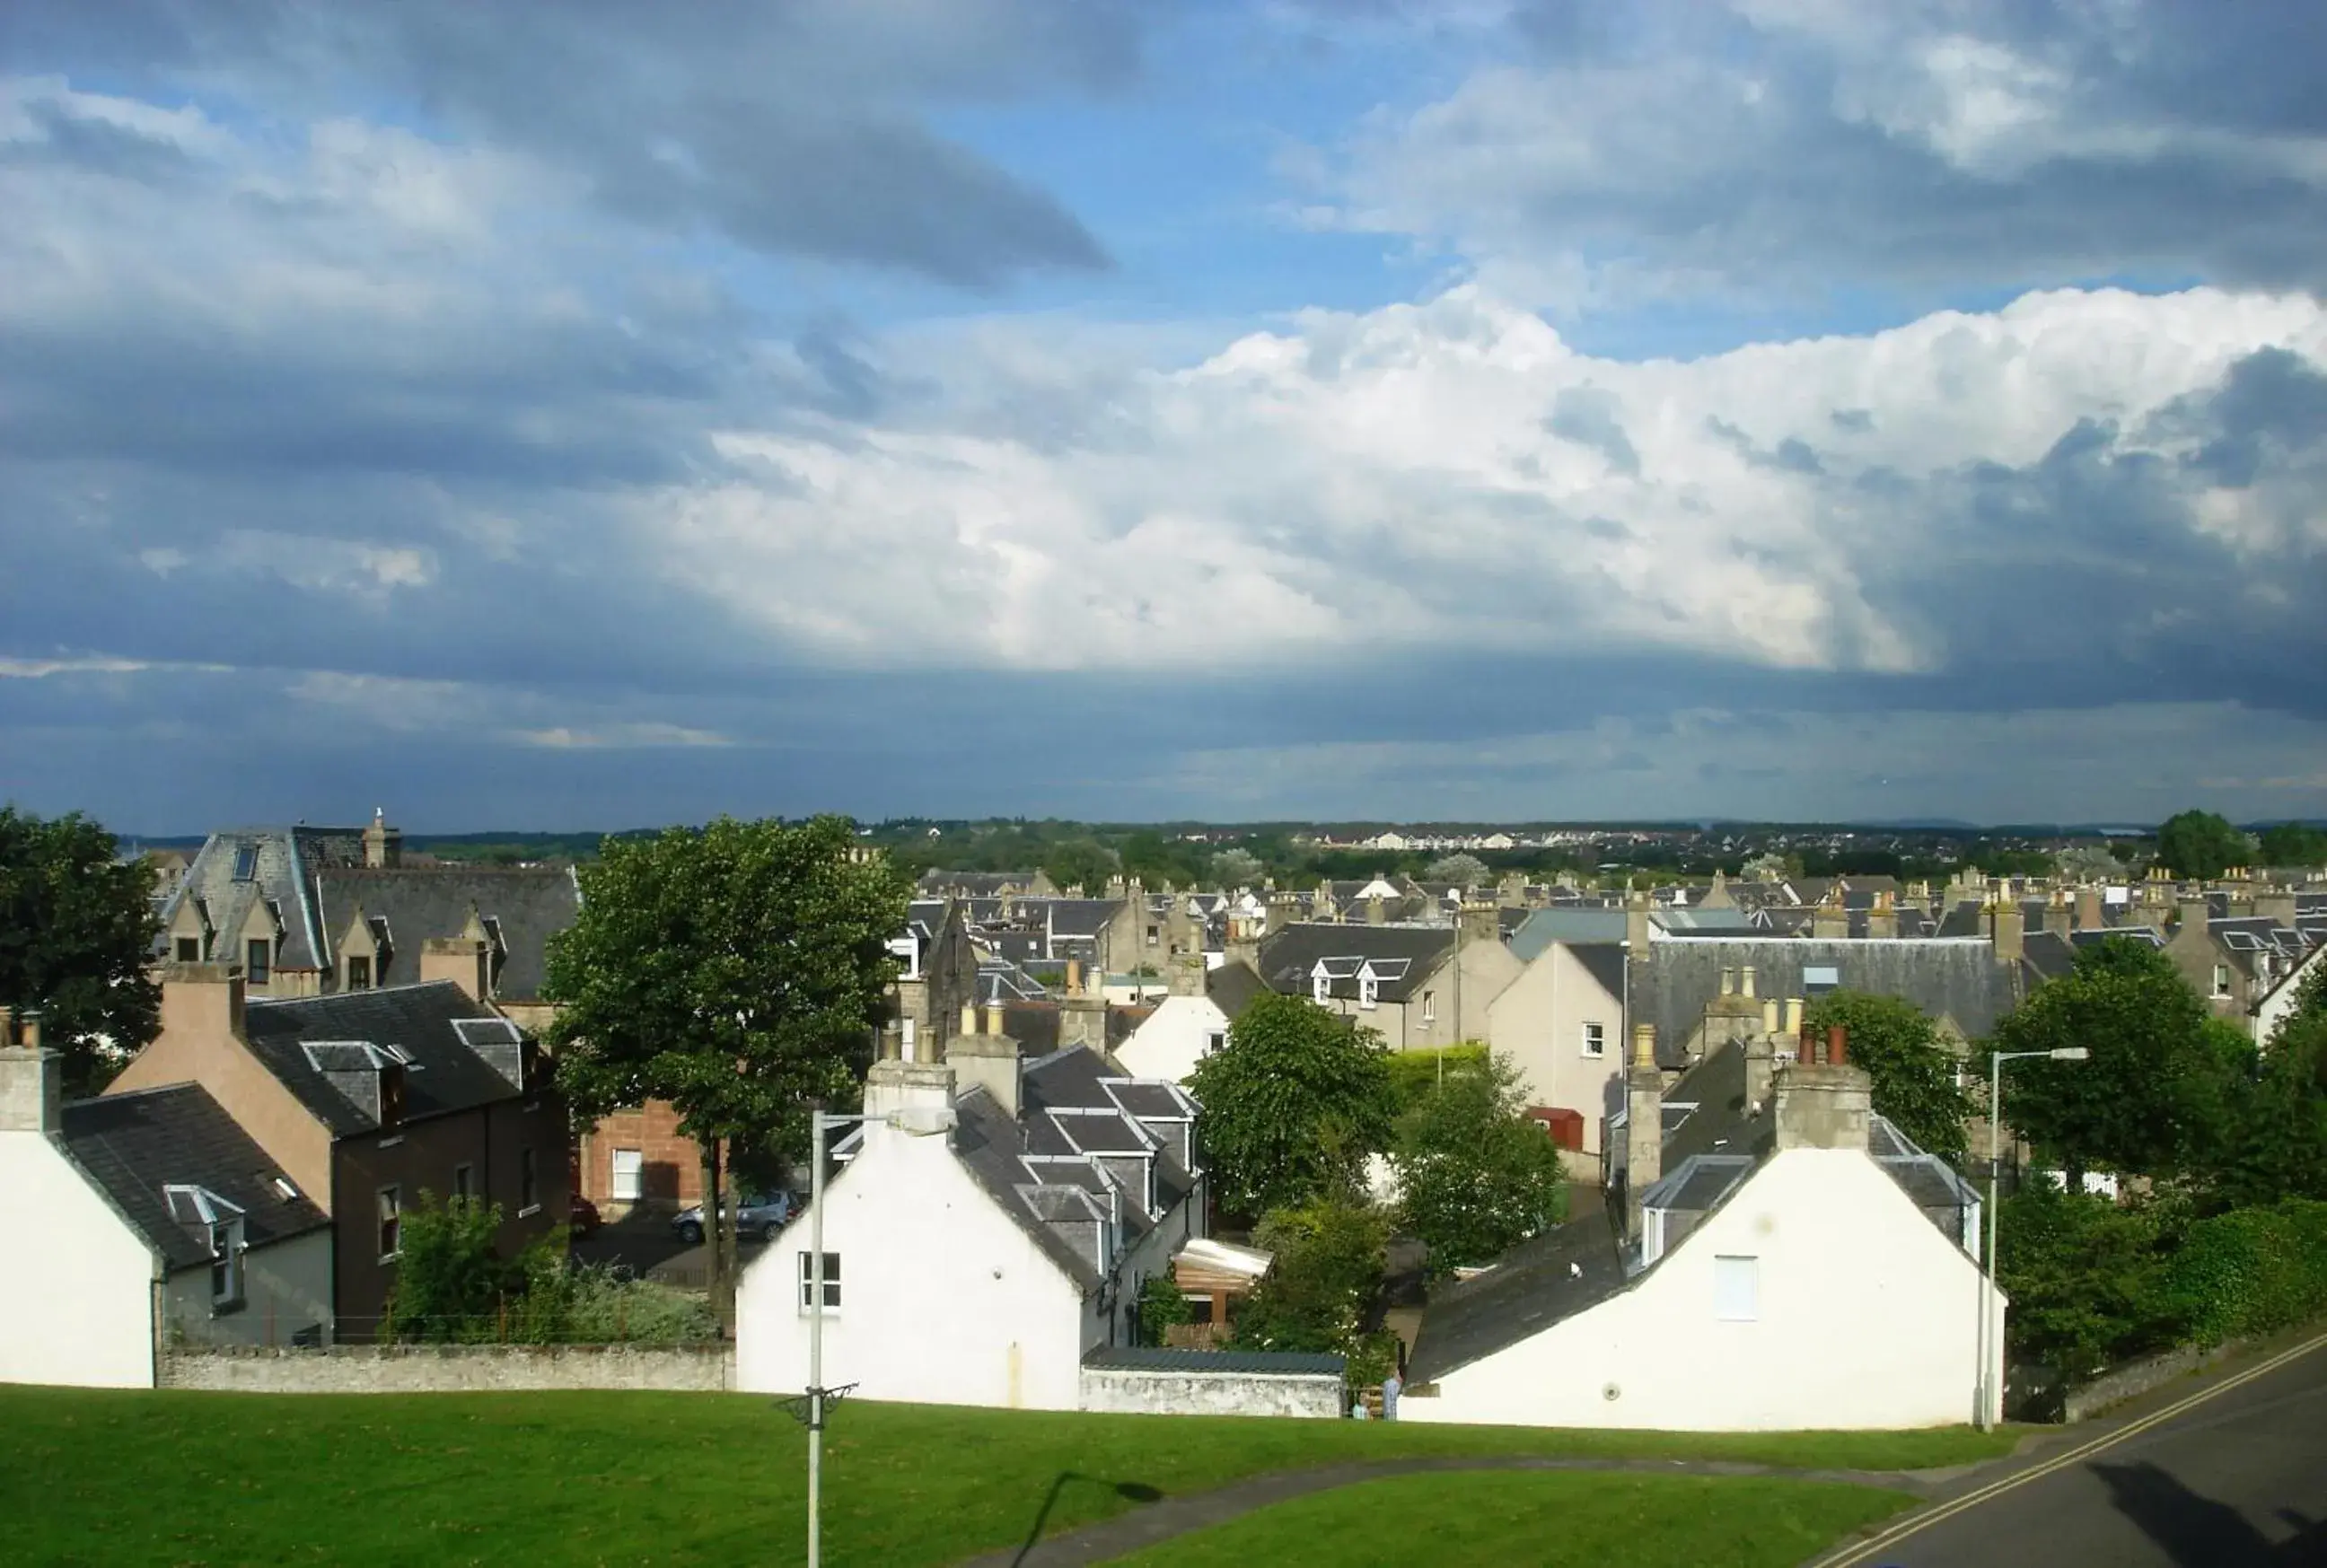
pixel 1320 988
pixel 1368 990
pixel 225 1263
pixel 190 950
pixel 358 972
pixel 258 960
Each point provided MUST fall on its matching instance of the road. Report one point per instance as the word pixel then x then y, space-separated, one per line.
pixel 2237 1479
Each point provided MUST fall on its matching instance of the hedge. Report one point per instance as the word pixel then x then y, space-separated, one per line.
pixel 2251 1271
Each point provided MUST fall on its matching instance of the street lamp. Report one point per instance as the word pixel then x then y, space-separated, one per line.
pixel 1991 1389
pixel 919 1122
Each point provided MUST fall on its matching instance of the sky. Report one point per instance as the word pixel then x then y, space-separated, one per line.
pixel 594 416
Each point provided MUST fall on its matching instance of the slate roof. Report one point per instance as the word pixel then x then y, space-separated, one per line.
pixel 1592 923
pixel 444 1074
pixel 1552 1276
pixel 134 1145
pixel 522 908
pixel 277 864
pixel 1232 986
pixel 1288 959
pixel 1262 1363
pixel 1604 962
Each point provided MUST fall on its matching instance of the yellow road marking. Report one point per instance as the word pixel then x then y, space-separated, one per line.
pixel 1914 1523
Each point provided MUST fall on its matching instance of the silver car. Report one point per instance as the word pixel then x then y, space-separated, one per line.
pixel 759 1219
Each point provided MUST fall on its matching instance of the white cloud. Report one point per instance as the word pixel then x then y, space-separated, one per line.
pixel 1452 473
pixel 627 737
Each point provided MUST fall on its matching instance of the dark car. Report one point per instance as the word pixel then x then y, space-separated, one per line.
pixel 759 1219
pixel 584 1218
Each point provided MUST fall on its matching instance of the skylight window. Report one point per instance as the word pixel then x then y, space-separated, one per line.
pixel 245 862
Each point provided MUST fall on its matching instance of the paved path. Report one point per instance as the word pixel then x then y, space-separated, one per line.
pixel 2229 1472
pixel 1159 1521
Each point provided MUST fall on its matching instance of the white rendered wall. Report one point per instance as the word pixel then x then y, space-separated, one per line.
pixel 1866 1318
pixel 83 1312
pixel 944 1299
pixel 286 1287
pixel 2273 1010
pixel 1170 1042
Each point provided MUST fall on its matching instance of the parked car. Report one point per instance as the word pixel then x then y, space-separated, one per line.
pixel 584 1220
pixel 759 1219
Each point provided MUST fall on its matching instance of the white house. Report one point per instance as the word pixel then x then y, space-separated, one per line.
pixel 1168 1044
pixel 146 1219
pixel 1809 1269
pixel 1562 1022
pixel 987 1264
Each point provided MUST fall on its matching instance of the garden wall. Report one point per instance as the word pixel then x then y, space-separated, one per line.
pixel 1187 1382
pixel 450 1368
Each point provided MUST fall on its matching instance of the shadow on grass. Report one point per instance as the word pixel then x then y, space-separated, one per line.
pixel 1131 1491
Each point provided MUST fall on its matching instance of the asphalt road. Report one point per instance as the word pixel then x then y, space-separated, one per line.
pixel 2235 1480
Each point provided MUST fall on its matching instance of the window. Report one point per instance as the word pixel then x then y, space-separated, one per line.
pixel 1214 1038
pixel 391 1223
pixel 1369 991
pixel 226 1264
pixel 630 1175
pixel 190 950
pixel 1321 989
pixel 1430 1007
pixel 261 955
pixel 1737 1290
pixel 1595 1040
pixel 464 1182
pixel 529 1184
pixel 2221 979
pixel 1818 979
pixel 359 973
pixel 831 1281
pixel 245 862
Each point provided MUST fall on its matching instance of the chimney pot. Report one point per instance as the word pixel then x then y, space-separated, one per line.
pixel 1644 1045
pixel 994 1018
pixel 32 1028
pixel 970 1018
pixel 1728 981
pixel 1746 981
pixel 1837 1046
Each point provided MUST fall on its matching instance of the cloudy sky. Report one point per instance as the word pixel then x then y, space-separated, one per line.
pixel 597 414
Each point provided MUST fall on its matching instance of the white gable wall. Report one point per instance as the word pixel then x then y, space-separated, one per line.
pixel 944 1299
pixel 1866 1317
pixel 1171 1041
pixel 84 1314
pixel 1537 1020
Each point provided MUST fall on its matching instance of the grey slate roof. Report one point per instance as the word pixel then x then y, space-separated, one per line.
pixel 445 1073
pixel 1232 986
pixel 1956 979
pixel 1604 962
pixel 279 863
pixel 1552 1276
pixel 1289 958
pixel 136 1145
pixel 1261 1363
pixel 524 907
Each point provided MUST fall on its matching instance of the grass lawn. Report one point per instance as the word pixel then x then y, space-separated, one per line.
pixel 1552 1519
pixel 120 1479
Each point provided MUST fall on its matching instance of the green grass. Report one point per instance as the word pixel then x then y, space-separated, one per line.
pixel 548 1479
pixel 1555 1520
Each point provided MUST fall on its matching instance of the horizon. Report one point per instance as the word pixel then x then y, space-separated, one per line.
pixel 1503 409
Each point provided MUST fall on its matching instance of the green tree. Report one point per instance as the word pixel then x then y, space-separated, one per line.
pixel 2087 1278
pixel 2278 1143
pixel 2198 843
pixel 76 932
pixel 1163 1305
pixel 2088 863
pixel 1322 1283
pixel 1913 1074
pixel 1465 870
pixel 2156 1096
pixel 737 970
pixel 1236 868
pixel 451 1279
pixel 1475 1176
pixel 1290 1106
pixel 2294 844
pixel 1083 863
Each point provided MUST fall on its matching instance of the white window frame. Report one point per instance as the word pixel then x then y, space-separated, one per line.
pixel 1596 1038
pixel 1737 1288
pixel 1215 1040
pixel 227 1247
pixel 1320 988
pixel 388 1209
pixel 1369 991
pixel 637 1175
pixel 808 1282
pixel 1430 1007
pixel 2221 980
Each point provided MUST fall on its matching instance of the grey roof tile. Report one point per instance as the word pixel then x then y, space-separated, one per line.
pixel 136 1145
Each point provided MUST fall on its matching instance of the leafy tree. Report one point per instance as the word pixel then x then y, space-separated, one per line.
pixel 2088 863
pixel 1083 863
pixel 737 971
pixel 1236 868
pixel 1161 1306
pixel 1290 1106
pixel 2087 1277
pixel 2198 843
pixel 1476 1176
pixel 1770 866
pixel 2157 1096
pixel 1913 1074
pixel 2294 844
pixel 451 1279
pixel 2279 1143
pixel 1464 871
pixel 77 931
pixel 1320 1290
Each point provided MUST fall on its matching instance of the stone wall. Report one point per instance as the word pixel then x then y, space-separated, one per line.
pixel 450 1368
pixel 1128 1391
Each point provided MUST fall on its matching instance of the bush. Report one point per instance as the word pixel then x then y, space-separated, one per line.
pixel 1414 1075
pixel 451 1279
pixel 2251 1271
pixel 2086 1279
pixel 1476 1176
pixel 1319 1293
pixel 1161 1306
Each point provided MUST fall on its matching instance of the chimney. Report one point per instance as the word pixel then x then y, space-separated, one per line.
pixel 1728 981
pixel 1770 1015
pixel 1823 1107
pixel 2057 916
pixel 1837 1045
pixel 1745 980
pixel 2194 914
pixel 2089 910
pixel 32 1088
pixel 993 1017
pixel 1791 1023
pixel 1635 929
pixel 2006 934
pixel 990 1062
pixel 968 1019
pixel 467 962
pixel 1760 1067
pixel 1074 976
pixel 203 1000
pixel 1479 922
pixel 1882 919
pixel 2276 905
pixel 892 1087
pixel 29 1028
pixel 7 1026
pixel 383 846
pixel 1375 915
pixel 1644 1123
pixel 1184 974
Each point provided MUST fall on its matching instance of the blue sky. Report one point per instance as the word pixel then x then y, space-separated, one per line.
pixel 572 416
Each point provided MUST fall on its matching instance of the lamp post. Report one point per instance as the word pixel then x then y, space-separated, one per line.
pixel 920 1122
pixel 1991 1387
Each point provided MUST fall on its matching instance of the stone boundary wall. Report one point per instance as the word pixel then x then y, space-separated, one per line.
pixel 2122 1383
pixel 450 1368
pixel 1137 1392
